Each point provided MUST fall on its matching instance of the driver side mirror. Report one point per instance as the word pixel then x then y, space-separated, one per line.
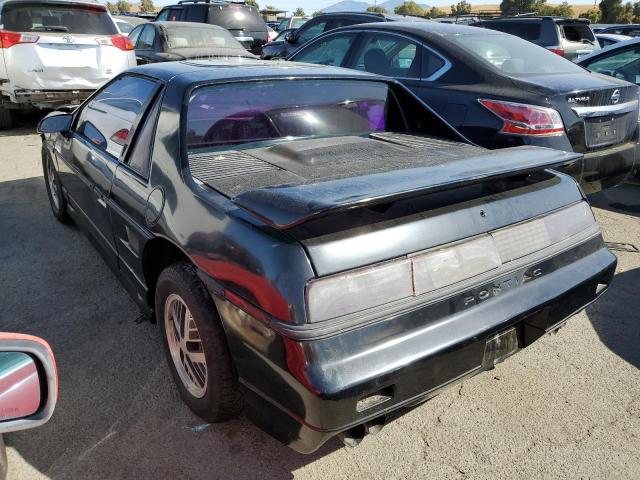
pixel 28 382
pixel 290 37
pixel 55 123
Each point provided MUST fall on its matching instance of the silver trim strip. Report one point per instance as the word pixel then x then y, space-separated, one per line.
pixel 589 112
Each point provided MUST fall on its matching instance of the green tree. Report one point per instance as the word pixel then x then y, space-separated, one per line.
pixel 317 13
pixel 252 3
pixel 376 9
pixel 518 6
pixel 611 11
pixel 147 6
pixel 461 8
pixel 112 8
pixel 435 12
pixel 299 12
pixel 409 8
pixel 123 6
pixel 592 14
pixel 562 10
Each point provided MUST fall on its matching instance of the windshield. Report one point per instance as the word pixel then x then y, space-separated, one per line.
pixel 198 37
pixel 267 110
pixel 39 17
pixel 297 22
pixel 515 56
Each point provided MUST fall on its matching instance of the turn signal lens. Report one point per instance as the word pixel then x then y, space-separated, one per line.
pixel 522 119
pixel 9 39
pixel 119 41
pixel 414 275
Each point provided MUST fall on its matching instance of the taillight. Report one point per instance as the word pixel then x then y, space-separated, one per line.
pixel 119 41
pixel 556 50
pixel 9 39
pixel 522 119
pixel 418 274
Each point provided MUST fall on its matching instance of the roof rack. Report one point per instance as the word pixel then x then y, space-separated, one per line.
pixel 181 2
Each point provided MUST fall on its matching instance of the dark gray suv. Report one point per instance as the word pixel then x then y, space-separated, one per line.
pixel 569 38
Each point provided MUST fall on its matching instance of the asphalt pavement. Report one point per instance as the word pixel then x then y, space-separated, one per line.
pixel 566 407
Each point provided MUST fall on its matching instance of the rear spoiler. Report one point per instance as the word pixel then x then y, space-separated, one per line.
pixel 286 206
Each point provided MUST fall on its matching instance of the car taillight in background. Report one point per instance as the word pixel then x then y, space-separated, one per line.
pixel 425 272
pixel 9 39
pixel 556 50
pixel 522 119
pixel 119 41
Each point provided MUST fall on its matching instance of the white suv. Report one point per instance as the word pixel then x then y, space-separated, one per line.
pixel 56 53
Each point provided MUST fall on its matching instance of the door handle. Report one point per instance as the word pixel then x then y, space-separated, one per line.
pixel 101 202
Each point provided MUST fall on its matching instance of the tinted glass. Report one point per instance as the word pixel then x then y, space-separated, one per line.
pixel 106 121
pixel 145 41
pixel 175 14
pixel 298 22
pixel 329 51
pixel 431 63
pixel 265 110
pixel 624 65
pixel 140 159
pixel 527 30
pixel 389 55
pixel 514 56
pixel 577 32
pixel 604 42
pixel 284 23
pixel 135 33
pixel 236 17
pixel 42 17
pixel 124 27
pixel 196 13
pixel 195 37
pixel 306 34
pixel 163 16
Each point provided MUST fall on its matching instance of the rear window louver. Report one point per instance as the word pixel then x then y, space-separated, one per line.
pixel 211 166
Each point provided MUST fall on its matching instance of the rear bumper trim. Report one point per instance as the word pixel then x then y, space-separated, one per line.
pixel 589 112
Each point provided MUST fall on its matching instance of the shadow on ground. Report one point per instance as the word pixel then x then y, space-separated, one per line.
pixel 119 414
pixel 624 198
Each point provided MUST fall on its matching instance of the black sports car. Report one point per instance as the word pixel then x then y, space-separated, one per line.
pixel 498 90
pixel 316 244
pixel 171 41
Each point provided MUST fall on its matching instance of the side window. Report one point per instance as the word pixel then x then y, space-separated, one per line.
pixel 624 65
pixel 329 51
pixel 108 119
pixel 431 63
pixel 163 16
pixel 175 14
pixel 146 38
pixel 389 55
pixel 135 33
pixel 196 13
pixel 140 160
pixel 311 31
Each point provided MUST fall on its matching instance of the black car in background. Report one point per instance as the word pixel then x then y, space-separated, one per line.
pixel 632 30
pixel 620 60
pixel 324 23
pixel 172 41
pixel 498 90
pixel 243 21
pixel 568 37
pixel 315 243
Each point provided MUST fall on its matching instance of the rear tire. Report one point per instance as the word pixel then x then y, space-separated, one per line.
pixel 6 119
pixel 54 189
pixel 201 365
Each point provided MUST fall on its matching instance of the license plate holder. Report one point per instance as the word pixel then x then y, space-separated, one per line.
pixel 605 131
pixel 499 347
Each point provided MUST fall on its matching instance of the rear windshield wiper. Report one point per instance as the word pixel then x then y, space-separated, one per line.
pixel 59 28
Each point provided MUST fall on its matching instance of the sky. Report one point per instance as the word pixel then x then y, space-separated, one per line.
pixel 311 6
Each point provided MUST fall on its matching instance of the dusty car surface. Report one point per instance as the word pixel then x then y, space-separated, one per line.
pixel 315 243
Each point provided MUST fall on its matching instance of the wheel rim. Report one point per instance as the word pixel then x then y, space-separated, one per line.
pixel 53 186
pixel 185 345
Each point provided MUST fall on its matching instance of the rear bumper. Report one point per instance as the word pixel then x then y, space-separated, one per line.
pixel 304 391
pixel 608 168
pixel 46 98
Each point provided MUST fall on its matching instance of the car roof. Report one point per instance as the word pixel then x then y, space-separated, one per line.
pixel 610 48
pixel 426 28
pixel 56 2
pixel 239 69
pixel 613 36
pixel 169 25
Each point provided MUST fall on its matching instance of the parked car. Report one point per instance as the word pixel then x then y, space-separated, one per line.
pixel 630 30
pixel 315 243
pixel 599 27
pixel 28 386
pixel 243 21
pixel 271 34
pixel 498 90
pixel 283 33
pixel 568 37
pixel 620 60
pixel 56 53
pixel 606 39
pixel 126 23
pixel 174 41
pixel 324 23
pixel 291 22
pixel 124 27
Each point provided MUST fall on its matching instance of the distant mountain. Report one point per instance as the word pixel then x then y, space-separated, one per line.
pixel 356 6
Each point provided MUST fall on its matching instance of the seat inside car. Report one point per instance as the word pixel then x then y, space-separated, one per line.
pixel 375 61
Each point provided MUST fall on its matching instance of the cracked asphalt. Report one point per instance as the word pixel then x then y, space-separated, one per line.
pixel 567 407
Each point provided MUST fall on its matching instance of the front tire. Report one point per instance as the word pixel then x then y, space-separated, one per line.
pixel 54 189
pixel 195 345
